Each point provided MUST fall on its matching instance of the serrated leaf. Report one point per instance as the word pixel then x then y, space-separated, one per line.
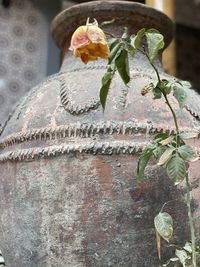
pixel 136 40
pixel 164 225
pixel 187 152
pixel 155 42
pixel 166 156
pixel 106 81
pixel 188 135
pixel 180 95
pixel 176 169
pixel 143 160
pixel 122 65
pixel 159 151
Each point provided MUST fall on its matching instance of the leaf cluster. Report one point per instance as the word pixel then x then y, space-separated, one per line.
pixel 171 152
pixel 118 61
pixel 164 87
pixel 163 223
pixel 183 256
pixel 121 48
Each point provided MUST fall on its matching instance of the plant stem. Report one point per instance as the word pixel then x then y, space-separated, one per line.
pixel 153 66
pixel 192 230
pixel 173 113
pixel 166 99
pixel 174 117
pixel 157 73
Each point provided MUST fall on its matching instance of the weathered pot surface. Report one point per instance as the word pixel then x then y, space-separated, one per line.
pixel 68 191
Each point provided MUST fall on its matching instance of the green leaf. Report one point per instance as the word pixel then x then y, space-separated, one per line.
pixel 180 94
pixel 164 225
pixel 114 52
pixel 161 136
pixel 130 49
pixel 144 159
pixel 136 40
pixel 166 156
pixel 189 135
pixel 142 163
pixel 165 86
pixel 122 65
pixel 185 84
pixel 176 169
pixel 182 255
pixel 155 42
pixel 159 151
pixel 156 93
pixel 106 81
pixel 112 42
pixel 188 247
pixel 187 153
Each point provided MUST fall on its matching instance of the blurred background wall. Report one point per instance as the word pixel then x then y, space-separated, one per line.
pixel 27 51
pixel 183 59
pixel 28 54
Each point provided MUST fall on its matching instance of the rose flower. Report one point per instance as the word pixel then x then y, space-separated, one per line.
pixel 89 43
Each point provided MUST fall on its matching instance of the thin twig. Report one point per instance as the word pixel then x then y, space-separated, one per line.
pixel 192 230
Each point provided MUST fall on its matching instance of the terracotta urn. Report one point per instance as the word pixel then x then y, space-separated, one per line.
pixel 69 196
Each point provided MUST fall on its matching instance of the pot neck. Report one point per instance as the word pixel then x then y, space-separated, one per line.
pixel 131 15
pixel 138 63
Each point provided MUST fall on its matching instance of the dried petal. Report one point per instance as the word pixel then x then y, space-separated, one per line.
pixel 89 43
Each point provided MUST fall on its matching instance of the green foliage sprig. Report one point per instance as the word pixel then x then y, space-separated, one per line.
pixel 170 150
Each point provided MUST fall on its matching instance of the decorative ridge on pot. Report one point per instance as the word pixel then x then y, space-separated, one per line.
pixel 67 105
pixel 134 16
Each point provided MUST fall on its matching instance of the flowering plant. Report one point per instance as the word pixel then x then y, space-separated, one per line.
pixel 170 150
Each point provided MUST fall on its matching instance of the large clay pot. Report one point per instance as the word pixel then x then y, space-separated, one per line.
pixel 69 197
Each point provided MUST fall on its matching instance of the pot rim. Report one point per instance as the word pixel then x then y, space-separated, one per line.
pixel 132 14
